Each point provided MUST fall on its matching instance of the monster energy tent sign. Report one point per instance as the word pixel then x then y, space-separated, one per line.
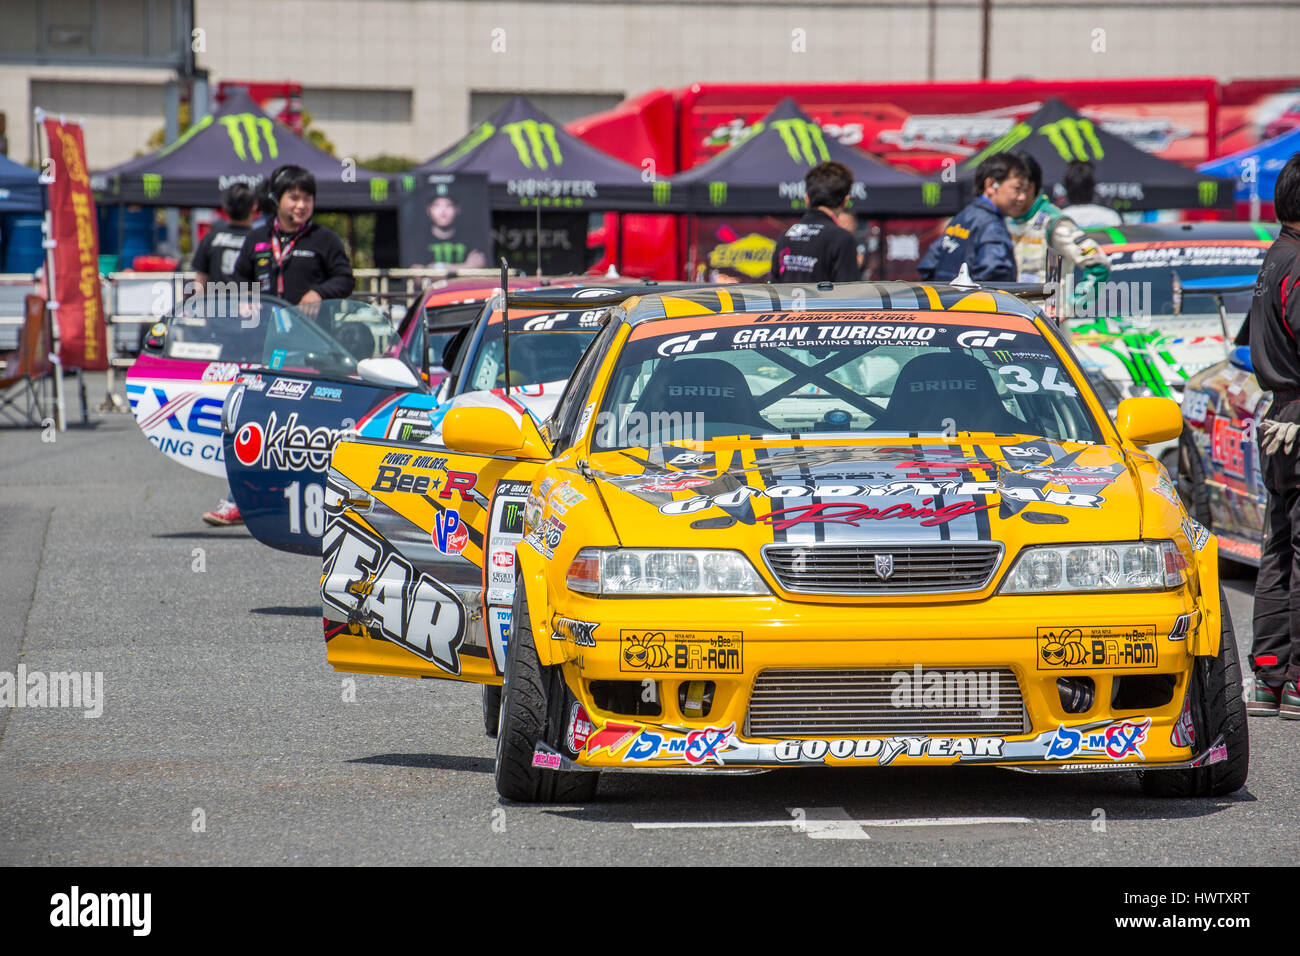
pixel 764 173
pixel 532 163
pixel 239 143
pixel 1127 178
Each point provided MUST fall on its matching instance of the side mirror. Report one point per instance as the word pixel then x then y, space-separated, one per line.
pixel 1146 421
pixel 493 431
pixel 155 339
pixel 388 372
pixel 1240 358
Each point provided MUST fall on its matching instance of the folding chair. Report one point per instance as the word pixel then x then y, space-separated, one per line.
pixel 24 372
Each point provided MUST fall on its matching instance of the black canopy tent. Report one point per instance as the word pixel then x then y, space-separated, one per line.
pixel 239 143
pixel 1127 178
pixel 532 162
pixel 764 174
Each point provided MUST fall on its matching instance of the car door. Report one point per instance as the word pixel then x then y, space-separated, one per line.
pixel 418 557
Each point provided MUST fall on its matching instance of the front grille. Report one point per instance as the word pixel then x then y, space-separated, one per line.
pixel 852 703
pixel 854 569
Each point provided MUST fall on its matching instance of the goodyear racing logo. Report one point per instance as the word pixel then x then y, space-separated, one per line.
pixel 378 189
pixel 152 185
pixel 1074 139
pixel 534 142
pixel 930 193
pixel 803 140
pixel 247 133
pixel 1207 191
pixel 717 193
pixel 662 190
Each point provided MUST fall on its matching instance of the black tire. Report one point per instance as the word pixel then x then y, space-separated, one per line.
pixel 1196 499
pixel 534 704
pixel 1217 708
pixel 491 709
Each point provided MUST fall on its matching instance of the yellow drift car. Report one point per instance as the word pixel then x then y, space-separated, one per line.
pixel 777 526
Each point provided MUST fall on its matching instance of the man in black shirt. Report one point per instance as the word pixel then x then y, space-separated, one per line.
pixel 291 257
pixel 1273 323
pixel 214 260
pixel 815 248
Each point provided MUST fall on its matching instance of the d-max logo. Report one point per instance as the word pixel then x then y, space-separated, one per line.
pixel 684 343
pixel 980 339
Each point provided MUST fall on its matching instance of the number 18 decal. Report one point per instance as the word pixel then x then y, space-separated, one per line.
pixel 311 506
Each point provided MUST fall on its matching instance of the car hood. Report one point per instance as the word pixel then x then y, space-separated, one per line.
pixel 748 495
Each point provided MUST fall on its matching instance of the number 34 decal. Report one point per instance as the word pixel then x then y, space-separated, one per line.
pixel 1026 384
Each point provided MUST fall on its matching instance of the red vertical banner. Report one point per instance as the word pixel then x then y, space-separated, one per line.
pixel 82 335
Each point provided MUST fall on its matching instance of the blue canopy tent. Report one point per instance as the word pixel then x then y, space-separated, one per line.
pixel 1255 170
pixel 20 188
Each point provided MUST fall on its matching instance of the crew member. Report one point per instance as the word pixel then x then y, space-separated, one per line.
pixel 1080 184
pixel 1037 225
pixel 214 259
pixel 1273 322
pixel 816 249
pixel 977 236
pixel 293 258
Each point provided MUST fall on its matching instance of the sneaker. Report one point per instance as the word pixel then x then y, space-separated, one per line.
pixel 1264 701
pixel 1290 704
pixel 227 514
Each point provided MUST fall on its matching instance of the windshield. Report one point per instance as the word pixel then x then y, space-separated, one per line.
pixel 544 347
pixel 805 373
pixel 280 336
pixel 1152 266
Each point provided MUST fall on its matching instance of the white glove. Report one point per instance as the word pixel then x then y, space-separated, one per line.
pixel 1278 435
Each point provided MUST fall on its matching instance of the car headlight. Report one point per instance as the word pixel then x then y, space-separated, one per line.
pixel 663 572
pixel 1121 566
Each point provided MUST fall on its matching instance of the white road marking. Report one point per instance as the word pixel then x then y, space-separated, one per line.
pixel 832 823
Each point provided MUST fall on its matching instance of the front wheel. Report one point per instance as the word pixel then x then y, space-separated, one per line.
pixel 491 709
pixel 534 705
pixel 1217 708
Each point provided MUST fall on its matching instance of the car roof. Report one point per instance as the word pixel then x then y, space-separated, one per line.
pixel 1173 231
pixel 839 297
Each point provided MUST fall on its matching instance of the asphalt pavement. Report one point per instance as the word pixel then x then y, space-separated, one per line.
pixel 225 738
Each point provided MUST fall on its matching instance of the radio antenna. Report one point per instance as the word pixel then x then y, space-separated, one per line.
pixel 505 320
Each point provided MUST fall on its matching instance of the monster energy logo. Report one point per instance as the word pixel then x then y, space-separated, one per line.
pixel 408 183
pixel 190 133
pixel 448 252
pixel 1002 355
pixel 1006 142
pixel 1073 139
pixel 1207 190
pixel 930 193
pixel 803 140
pixel 378 189
pixel 717 193
pixel 533 141
pixel 661 190
pixel 152 185
pixel 469 143
pixel 247 132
